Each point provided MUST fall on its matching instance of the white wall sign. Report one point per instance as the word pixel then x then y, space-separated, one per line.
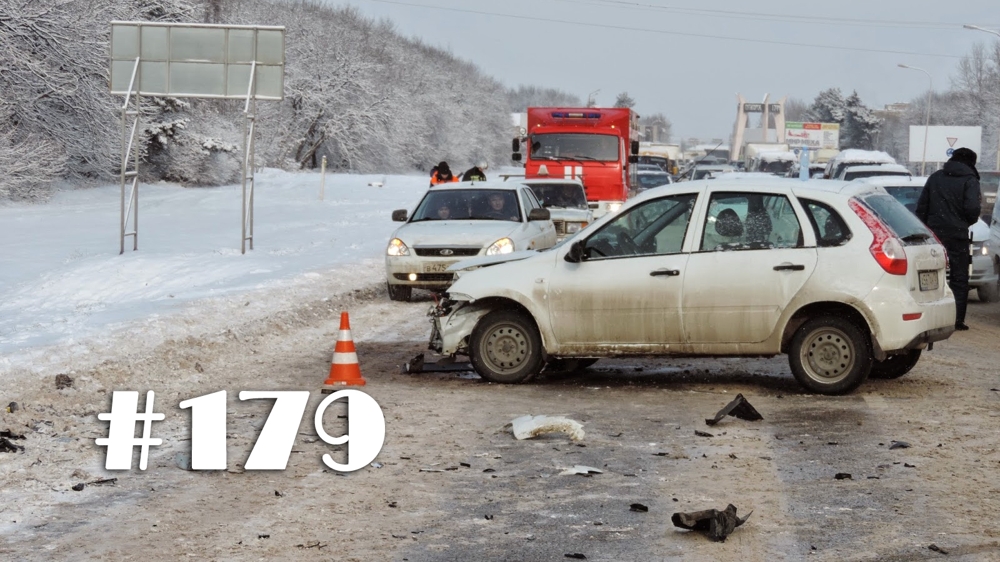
pixel 942 141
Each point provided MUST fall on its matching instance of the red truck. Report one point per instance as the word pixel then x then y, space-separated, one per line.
pixel 595 145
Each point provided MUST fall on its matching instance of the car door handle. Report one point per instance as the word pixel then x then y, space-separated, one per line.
pixel 664 273
pixel 789 267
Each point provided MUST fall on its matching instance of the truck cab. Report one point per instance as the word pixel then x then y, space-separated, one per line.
pixel 598 146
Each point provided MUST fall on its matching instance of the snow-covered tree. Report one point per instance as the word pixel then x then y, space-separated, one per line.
pixel 860 126
pixel 828 107
pixel 624 100
pixel 532 96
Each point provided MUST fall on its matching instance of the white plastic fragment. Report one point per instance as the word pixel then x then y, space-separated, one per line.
pixel 580 469
pixel 526 427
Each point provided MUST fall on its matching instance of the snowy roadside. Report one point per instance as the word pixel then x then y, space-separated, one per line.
pixel 69 300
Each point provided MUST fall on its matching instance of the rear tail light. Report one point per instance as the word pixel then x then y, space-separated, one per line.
pixel 886 248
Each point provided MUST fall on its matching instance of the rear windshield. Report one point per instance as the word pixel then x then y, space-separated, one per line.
pixel 898 218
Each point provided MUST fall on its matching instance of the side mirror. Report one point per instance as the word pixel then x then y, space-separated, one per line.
pixel 515 145
pixel 635 147
pixel 539 215
pixel 399 215
pixel 633 159
pixel 576 252
pixel 516 157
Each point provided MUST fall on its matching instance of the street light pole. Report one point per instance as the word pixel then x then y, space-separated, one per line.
pixel 997 33
pixel 927 119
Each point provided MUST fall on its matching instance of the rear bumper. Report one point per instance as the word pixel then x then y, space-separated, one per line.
pixel 930 336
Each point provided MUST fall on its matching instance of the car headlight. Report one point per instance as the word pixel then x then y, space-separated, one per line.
pixel 612 207
pixel 397 248
pixel 501 246
pixel 574 227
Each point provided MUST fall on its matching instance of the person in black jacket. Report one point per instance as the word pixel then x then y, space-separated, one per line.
pixel 949 204
pixel 475 173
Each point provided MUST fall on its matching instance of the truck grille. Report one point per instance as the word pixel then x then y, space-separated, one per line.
pixel 456 252
pixel 560 227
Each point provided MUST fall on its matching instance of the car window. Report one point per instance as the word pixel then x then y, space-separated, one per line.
pixel 829 227
pixel 655 227
pixel 527 201
pixel 750 221
pixel 464 204
pixel 903 223
pixel 906 194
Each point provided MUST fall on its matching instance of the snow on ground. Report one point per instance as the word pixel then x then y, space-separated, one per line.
pixel 65 290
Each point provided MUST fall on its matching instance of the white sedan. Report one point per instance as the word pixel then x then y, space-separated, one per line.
pixel 840 276
pixel 460 220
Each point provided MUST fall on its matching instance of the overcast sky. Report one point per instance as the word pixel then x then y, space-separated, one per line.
pixel 682 58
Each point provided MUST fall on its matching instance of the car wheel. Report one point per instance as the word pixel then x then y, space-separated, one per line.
pixel 895 366
pixel 399 292
pixel 505 347
pixel 989 293
pixel 830 355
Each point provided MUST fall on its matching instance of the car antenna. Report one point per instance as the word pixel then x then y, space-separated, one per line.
pixel 707 153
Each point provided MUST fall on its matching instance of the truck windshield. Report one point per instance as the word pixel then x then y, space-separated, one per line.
pixel 574 146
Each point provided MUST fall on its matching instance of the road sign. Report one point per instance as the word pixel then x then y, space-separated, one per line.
pixel 942 141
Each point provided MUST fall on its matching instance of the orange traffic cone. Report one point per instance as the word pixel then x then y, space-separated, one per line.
pixel 344 370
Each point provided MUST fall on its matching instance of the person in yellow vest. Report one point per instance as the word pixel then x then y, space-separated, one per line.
pixel 442 175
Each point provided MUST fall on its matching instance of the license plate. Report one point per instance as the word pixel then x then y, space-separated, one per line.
pixel 437 267
pixel 928 280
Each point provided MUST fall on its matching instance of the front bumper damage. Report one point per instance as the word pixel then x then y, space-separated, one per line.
pixel 452 323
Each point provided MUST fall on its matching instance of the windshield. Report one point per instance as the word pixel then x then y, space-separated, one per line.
pixel 776 167
pixel 906 194
pixel 657 161
pixel 468 204
pixel 649 180
pixel 564 195
pixel 574 146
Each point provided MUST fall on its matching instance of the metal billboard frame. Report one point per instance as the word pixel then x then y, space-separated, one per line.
pixel 190 60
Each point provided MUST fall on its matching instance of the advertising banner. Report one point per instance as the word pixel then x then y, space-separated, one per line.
pixel 813 135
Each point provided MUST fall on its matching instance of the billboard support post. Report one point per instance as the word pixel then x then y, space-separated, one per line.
pixel 128 142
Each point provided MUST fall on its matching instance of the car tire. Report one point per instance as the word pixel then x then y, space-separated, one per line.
pixel 989 293
pixel 830 355
pixel 895 366
pixel 505 347
pixel 399 292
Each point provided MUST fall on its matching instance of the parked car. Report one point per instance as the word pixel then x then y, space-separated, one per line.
pixel 984 274
pixel 988 184
pixel 460 220
pixel 851 173
pixel 656 278
pixel 566 201
pixel 992 248
pixel 855 157
pixel 703 171
pixel 651 176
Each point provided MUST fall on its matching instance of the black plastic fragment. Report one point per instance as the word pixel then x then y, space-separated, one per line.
pixel 739 408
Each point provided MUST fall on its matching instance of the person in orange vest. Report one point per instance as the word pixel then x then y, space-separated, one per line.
pixel 442 175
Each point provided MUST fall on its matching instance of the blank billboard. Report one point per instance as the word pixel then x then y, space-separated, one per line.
pixel 197 60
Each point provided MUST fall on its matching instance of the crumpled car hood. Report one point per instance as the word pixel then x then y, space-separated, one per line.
pixel 483 261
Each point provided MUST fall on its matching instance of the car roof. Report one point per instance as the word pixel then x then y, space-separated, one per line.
pixel 896 181
pixel 876 167
pixel 764 183
pixel 453 186
pixel 539 181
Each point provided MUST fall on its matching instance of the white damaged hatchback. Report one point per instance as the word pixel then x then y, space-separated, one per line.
pixel 838 276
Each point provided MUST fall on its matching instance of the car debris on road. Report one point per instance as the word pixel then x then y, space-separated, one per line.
pixel 739 408
pixel 718 524
pixel 526 427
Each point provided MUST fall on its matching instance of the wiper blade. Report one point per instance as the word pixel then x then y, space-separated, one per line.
pixel 916 237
